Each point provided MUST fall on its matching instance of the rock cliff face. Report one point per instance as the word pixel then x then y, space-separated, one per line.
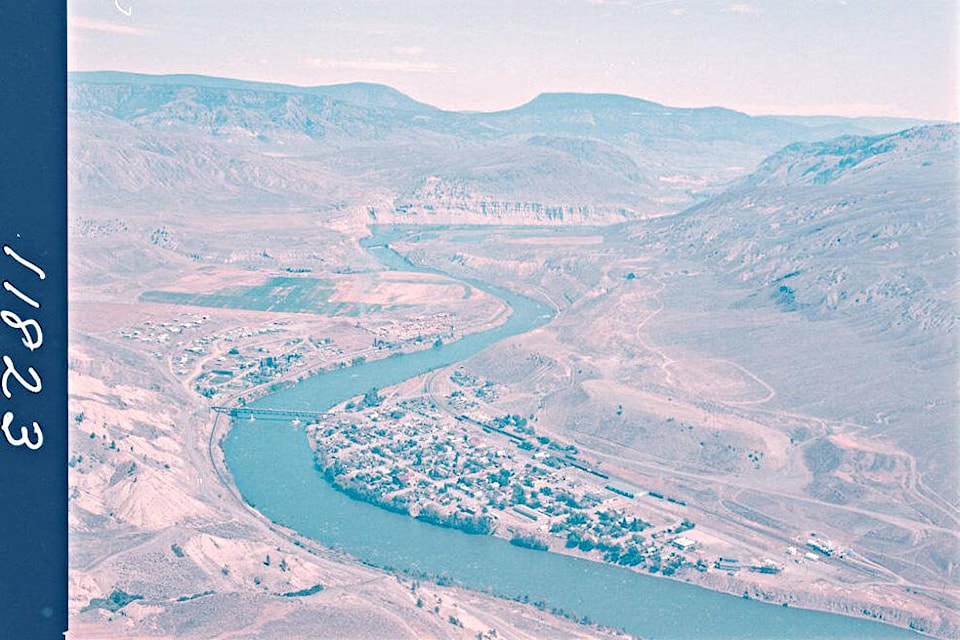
pixel 812 292
pixel 138 139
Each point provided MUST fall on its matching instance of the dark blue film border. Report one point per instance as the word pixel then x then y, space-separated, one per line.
pixel 33 310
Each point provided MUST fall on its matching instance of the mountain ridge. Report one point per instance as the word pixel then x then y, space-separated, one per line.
pixel 354 92
pixel 541 100
pixel 561 157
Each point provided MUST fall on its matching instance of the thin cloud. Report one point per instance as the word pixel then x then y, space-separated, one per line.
pixel 372 64
pixel 744 9
pixel 409 51
pixel 634 4
pixel 629 3
pixel 106 27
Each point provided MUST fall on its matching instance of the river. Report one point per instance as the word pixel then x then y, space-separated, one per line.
pixel 272 465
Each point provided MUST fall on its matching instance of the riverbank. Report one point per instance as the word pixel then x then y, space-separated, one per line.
pixel 335 389
pixel 551 515
pixel 296 495
pixel 149 516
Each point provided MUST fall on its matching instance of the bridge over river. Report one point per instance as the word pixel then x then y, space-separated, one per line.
pixel 270 414
pixel 273 466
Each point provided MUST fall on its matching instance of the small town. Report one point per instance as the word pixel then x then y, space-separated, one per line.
pixel 458 467
pixel 236 360
pixel 425 329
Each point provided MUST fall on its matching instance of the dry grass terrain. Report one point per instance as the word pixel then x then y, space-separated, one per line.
pixel 773 345
pixel 633 373
pixel 150 517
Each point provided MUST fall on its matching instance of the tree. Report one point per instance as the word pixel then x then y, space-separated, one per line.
pixel 371 399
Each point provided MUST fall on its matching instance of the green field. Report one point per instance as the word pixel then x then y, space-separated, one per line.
pixel 279 293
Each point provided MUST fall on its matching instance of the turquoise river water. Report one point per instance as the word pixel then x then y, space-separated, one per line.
pixel 272 465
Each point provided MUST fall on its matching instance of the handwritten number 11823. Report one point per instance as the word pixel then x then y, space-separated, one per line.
pixel 32 339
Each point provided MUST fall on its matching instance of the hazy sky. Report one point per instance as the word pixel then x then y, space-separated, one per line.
pixel 844 57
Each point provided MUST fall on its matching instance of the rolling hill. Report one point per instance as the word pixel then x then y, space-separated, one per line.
pixel 138 139
pixel 839 257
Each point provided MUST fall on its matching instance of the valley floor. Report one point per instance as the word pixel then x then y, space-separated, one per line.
pixel 653 411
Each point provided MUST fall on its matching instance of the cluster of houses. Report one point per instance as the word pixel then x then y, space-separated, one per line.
pixel 471 391
pixel 242 367
pixel 163 332
pixel 238 364
pixel 497 475
pixel 422 329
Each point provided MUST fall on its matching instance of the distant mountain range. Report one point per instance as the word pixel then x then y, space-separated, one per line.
pixel 196 141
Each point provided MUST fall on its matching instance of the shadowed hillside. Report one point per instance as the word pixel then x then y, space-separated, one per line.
pixel 841 257
pixel 561 157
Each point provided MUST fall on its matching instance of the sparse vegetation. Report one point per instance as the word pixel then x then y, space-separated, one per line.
pixel 302 593
pixel 117 600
